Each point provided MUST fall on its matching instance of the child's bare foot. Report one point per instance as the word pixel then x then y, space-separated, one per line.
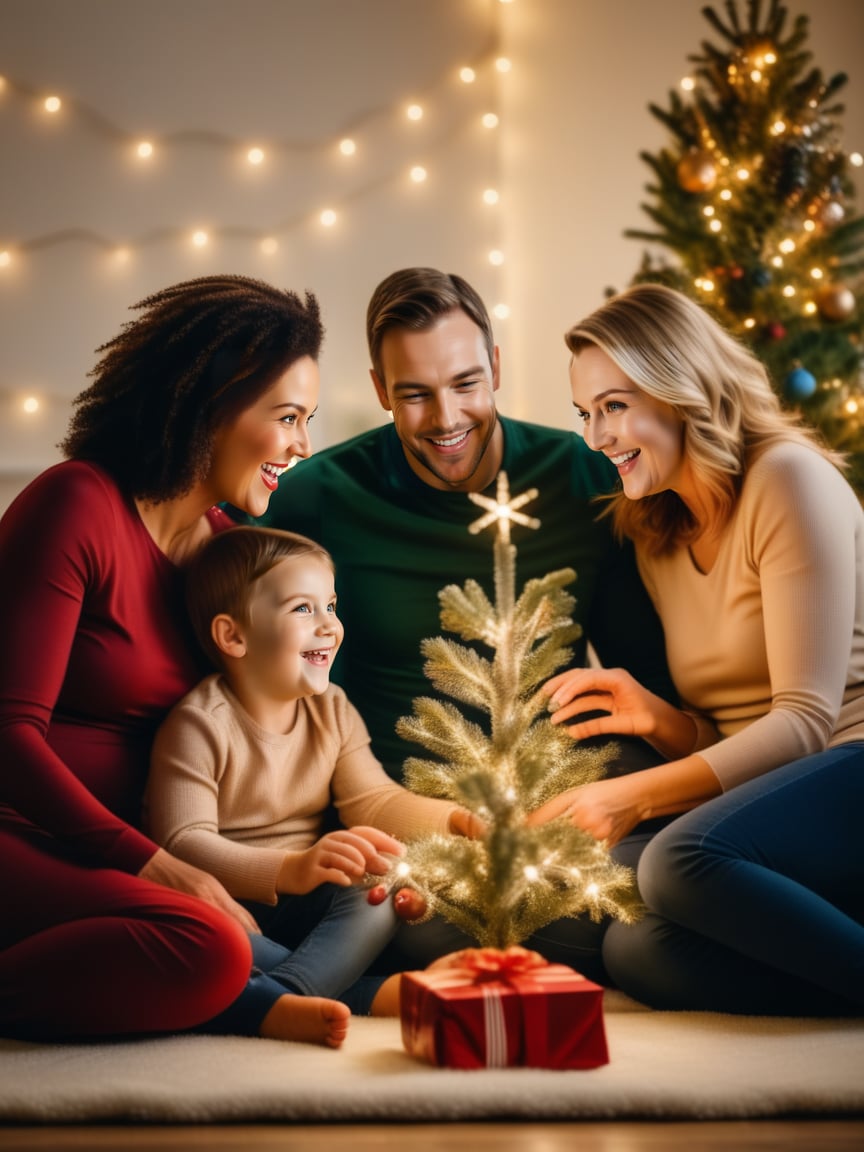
pixel 308 1019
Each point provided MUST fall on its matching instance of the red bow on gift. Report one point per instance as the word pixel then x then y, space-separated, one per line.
pixel 494 963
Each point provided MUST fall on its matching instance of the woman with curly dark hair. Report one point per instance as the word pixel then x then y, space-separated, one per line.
pixel 205 397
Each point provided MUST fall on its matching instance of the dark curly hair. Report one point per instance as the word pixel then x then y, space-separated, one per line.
pixel 200 353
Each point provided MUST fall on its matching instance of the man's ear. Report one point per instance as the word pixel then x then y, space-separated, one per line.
pixel 496 369
pixel 381 391
pixel 228 636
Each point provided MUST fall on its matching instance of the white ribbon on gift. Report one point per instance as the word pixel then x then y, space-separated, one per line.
pixel 495 1027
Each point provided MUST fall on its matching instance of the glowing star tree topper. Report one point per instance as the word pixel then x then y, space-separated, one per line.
pixel 502 888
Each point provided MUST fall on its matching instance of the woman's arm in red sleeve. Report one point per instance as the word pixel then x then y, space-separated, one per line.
pixel 49 555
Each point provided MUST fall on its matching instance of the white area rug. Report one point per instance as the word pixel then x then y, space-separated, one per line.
pixel 663 1065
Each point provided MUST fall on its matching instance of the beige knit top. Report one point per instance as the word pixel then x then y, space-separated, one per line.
pixel 232 798
pixel 770 643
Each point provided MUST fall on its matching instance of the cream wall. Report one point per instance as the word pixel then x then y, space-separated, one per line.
pixel 297 76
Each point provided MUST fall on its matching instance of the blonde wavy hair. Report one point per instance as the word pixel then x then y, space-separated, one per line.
pixel 673 350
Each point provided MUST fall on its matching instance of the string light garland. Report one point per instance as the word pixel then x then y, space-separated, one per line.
pixel 258 155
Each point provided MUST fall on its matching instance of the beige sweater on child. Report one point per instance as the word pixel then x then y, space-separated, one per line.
pixel 232 798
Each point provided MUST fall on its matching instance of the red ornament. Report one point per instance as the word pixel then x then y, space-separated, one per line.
pixel 409 905
pixel 775 331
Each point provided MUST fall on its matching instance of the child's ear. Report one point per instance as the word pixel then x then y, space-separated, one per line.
pixel 228 636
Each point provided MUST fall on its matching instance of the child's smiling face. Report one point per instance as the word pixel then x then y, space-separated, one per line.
pixel 293 632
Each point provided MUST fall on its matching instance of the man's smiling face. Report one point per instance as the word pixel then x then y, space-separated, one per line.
pixel 440 388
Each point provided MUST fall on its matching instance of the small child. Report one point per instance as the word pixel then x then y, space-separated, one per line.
pixel 247 764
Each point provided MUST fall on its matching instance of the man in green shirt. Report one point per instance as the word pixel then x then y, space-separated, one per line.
pixel 391 507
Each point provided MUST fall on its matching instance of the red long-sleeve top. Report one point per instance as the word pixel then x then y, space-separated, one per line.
pixel 95 650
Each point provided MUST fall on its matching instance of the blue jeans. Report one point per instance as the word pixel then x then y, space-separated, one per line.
pixel 318 944
pixel 756 899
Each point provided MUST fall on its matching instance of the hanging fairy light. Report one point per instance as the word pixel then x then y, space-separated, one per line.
pixel 144 149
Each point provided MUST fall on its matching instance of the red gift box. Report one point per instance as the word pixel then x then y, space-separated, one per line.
pixel 498 1009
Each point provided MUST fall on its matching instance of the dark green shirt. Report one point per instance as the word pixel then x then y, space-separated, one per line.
pixel 396 542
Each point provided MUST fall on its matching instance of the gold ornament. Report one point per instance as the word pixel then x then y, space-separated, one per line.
pixel 835 302
pixel 697 171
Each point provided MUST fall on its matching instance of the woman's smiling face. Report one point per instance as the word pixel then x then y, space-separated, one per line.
pixel 642 436
pixel 251 451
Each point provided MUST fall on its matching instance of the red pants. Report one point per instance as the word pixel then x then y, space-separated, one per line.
pixel 93 952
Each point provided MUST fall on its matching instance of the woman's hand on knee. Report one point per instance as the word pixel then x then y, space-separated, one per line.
pixel 163 868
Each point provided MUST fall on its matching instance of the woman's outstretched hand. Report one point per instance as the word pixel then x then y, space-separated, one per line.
pixel 606 809
pixel 163 868
pixel 631 710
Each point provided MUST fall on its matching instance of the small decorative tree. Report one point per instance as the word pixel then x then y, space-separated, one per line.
pixel 502 888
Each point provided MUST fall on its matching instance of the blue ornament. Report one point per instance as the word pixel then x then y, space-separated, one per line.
pixel 800 384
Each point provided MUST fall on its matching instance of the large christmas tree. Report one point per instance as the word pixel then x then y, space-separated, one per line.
pixel 500 889
pixel 754 198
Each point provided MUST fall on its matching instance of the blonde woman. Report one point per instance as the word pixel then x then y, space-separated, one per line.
pixel 751 544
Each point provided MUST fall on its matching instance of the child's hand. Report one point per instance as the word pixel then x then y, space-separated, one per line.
pixel 465 823
pixel 342 857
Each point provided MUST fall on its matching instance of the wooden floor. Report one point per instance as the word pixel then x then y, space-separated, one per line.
pixel 742 1136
